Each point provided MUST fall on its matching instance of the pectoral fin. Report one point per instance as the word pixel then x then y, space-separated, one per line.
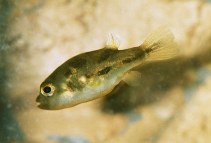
pixel 132 78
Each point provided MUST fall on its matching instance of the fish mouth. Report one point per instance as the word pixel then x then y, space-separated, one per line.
pixel 40 103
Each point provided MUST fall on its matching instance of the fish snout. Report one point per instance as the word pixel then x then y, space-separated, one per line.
pixel 38 100
pixel 41 101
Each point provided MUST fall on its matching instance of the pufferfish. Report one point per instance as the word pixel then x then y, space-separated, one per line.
pixel 94 74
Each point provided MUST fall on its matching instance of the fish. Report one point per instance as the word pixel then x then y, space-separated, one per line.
pixel 94 74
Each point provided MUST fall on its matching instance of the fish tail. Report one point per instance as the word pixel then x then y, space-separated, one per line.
pixel 160 45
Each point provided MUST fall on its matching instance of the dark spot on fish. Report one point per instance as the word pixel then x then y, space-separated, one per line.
pixel 74 85
pixel 128 60
pixel 67 73
pixel 104 71
pixel 132 55
pixel 139 52
pixel 137 55
pixel 71 86
pixel 152 47
pixel 88 75
pixel 106 54
pixel 70 71
pixel 78 62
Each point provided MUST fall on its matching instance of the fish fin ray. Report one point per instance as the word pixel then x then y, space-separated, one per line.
pixel 160 45
pixel 112 42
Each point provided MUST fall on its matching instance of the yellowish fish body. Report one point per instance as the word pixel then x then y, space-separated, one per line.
pixel 94 74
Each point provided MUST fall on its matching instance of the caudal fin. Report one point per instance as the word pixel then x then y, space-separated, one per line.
pixel 160 45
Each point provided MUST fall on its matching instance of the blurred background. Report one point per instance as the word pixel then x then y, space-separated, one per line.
pixel 172 103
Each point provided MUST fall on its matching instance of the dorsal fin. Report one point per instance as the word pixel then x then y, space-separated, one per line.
pixel 112 42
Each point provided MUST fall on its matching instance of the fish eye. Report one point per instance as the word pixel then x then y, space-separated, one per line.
pixel 48 90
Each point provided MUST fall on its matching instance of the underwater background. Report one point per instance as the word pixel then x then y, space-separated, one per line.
pixel 171 105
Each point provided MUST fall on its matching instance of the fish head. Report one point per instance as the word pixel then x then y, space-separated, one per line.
pixel 55 94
